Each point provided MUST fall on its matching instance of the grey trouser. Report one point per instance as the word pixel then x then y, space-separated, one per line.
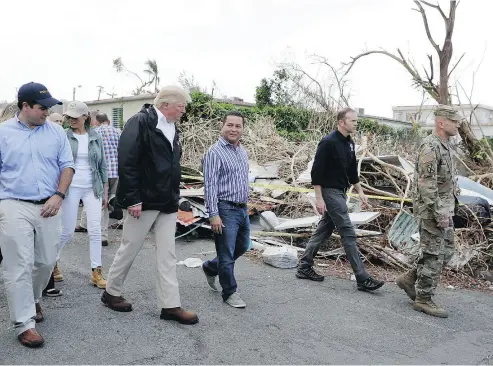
pixel 336 216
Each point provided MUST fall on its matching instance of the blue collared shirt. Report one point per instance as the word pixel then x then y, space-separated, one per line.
pixel 31 160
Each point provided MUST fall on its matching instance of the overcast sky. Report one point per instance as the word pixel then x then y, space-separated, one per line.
pixel 235 43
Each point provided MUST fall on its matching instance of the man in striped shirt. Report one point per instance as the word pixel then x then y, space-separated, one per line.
pixel 226 193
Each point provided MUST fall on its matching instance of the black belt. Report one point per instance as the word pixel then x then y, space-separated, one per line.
pixel 235 204
pixel 40 202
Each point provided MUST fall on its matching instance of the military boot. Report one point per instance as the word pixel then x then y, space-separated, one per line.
pixel 407 281
pixel 427 306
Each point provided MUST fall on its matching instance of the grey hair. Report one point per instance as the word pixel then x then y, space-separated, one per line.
pixel 171 94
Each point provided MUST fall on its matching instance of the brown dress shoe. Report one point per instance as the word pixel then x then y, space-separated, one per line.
pixel 116 303
pixel 39 314
pixel 31 338
pixel 179 315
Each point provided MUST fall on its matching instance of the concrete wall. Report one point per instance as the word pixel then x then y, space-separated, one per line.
pixel 129 107
pixel 388 121
pixel 133 104
pixel 482 114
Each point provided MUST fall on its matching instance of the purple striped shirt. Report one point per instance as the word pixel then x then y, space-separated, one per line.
pixel 225 175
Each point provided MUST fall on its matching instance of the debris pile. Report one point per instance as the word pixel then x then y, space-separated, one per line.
pixel 282 202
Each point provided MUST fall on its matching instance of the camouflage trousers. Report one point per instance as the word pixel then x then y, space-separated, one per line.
pixel 437 248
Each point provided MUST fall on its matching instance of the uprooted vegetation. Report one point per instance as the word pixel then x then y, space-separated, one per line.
pixel 386 161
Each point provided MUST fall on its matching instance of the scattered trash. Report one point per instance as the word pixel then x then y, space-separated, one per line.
pixel 281 257
pixel 352 278
pixel 190 262
pixel 450 287
pixel 269 221
pixel 257 246
pixel 283 213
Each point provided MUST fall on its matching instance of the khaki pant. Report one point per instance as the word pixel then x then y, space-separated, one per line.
pixel 134 234
pixel 29 246
pixel 105 215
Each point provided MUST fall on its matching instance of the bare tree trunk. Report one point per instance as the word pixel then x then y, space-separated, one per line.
pixel 438 90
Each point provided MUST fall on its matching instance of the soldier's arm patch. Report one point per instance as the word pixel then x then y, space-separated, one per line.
pixel 427 162
pixel 430 169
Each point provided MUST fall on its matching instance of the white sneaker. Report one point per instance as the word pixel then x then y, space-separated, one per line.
pixel 235 301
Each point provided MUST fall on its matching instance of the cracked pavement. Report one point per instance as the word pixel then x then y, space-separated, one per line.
pixel 287 321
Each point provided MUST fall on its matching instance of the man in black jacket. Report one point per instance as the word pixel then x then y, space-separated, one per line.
pixel 149 177
pixel 334 170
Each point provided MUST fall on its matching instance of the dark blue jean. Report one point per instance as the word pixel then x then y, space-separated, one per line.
pixel 230 245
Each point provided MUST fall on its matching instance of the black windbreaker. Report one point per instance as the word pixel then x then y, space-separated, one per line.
pixel 148 169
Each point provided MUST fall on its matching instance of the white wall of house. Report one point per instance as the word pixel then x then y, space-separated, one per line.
pixel 424 115
pixel 119 108
pixel 126 107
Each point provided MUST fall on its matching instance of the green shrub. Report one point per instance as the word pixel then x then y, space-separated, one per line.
pixel 291 122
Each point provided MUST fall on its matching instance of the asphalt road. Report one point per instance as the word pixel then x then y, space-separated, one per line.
pixel 287 321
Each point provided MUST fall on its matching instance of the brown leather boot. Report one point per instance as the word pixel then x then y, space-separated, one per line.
pixel 407 281
pixel 39 314
pixel 116 303
pixel 30 338
pixel 180 315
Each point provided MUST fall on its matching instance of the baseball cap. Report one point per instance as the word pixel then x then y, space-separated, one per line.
pixel 449 112
pixel 76 109
pixel 37 92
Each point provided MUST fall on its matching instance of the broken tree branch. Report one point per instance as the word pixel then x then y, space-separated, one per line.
pixel 453 68
pixel 436 7
pixel 427 27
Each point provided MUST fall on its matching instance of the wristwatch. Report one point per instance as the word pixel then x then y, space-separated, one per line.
pixel 60 194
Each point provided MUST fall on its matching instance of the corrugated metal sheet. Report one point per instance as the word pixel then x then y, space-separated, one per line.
pixel 400 233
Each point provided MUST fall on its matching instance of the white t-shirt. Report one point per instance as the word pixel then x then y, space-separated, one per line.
pixel 83 175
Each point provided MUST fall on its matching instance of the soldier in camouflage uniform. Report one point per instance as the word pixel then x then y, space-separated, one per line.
pixel 434 205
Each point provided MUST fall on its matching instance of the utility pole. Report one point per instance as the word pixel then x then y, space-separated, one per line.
pixel 99 91
pixel 73 91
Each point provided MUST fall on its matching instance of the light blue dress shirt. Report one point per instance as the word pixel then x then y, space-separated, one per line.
pixel 31 160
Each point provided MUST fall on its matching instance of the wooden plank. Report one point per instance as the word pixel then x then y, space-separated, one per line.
pixel 275 233
pixel 192 192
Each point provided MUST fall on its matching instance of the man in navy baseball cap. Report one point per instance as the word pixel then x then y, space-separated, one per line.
pixel 37 93
pixel 36 169
pixel 34 101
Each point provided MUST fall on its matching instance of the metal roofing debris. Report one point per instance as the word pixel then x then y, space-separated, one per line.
pixel 357 218
pixel 401 232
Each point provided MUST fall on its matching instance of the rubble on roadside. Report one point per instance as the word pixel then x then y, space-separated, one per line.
pixel 282 201
pixel 387 232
